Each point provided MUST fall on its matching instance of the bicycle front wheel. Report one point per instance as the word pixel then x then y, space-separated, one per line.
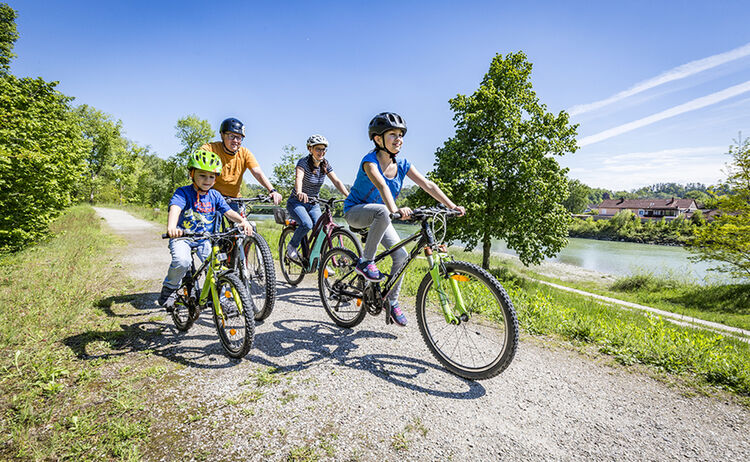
pixel 484 342
pixel 261 275
pixel 292 270
pixel 341 288
pixel 235 324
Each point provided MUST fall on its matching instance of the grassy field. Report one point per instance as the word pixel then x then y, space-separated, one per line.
pixel 68 388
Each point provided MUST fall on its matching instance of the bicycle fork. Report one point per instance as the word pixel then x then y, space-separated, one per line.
pixel 445 305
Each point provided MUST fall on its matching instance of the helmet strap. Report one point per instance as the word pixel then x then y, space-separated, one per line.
pixel 383 148
pixel 226 149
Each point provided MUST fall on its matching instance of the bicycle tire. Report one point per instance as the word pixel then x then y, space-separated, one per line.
pixel 236 328
pixel 293 272
pixel 183 313
pixel 345 310
pixel 492 323
pixel 261 284
pixel 342 237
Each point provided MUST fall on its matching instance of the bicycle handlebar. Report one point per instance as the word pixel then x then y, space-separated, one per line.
pixel 329 202
pixel 258 198
pixel 423 213
pixel 193 235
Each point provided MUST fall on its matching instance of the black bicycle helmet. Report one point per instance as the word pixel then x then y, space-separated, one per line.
pixel 232 125
pixel 385 121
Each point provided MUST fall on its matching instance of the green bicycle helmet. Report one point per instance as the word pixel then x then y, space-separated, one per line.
pixel 205 160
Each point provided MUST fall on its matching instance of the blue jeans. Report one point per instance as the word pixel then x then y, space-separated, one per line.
pixel 306 215
pixel 181 259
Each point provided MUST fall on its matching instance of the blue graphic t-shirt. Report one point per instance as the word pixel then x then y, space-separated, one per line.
pixel 198 211
pixel 363 191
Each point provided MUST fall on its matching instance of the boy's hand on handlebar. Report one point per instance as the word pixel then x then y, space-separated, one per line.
pixel 460 209
pixel 276 197
pixel 174 232
pixel 302 197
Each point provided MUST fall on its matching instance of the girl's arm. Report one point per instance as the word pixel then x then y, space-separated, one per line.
pixel 299 174
pixel 172 216
pixel 432 189
pixel 338 183
pixel 237 218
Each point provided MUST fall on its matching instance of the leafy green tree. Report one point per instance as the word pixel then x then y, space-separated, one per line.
pixel 727 238
pixel 501 165
pixel 41 158
pixel 193 133
pixel 8 36
pixel 283 172
pixel 578 197
pixel 107 147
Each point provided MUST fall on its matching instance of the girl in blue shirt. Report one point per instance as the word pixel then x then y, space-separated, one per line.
pixel 372 199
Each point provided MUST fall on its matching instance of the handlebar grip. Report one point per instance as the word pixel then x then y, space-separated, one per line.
pixel 395 216
pixel 165 236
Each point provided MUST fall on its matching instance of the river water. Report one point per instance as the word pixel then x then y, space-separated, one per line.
pixel 611 257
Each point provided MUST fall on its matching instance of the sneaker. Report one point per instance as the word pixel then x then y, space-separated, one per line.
pixel 291 253
pixel 397 315
pixel 369 270
pixel 166 298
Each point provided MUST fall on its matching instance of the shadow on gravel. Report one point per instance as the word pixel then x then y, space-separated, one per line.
pixel 301 296
pixel 323 342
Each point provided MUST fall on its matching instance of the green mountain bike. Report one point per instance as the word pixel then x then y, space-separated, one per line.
pixel 222 290
pixel 464 315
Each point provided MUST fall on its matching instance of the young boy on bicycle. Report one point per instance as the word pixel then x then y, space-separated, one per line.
pixel 372 199
pixel 193 208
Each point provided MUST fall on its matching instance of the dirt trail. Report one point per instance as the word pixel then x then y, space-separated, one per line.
pixel 375 393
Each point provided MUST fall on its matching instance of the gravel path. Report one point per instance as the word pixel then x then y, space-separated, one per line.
pixel 376 393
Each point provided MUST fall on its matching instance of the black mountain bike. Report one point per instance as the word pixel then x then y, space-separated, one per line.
pixel 214 285
pixel 326 234
pixel 463 313
pixel 253 262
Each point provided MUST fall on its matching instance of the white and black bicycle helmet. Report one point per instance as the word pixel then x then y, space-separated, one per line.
pixel 317 139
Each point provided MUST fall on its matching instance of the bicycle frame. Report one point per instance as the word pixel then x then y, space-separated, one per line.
pixel 212 266
pixel 426 243
pixel 321 232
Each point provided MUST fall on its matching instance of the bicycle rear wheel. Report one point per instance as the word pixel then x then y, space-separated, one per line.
pixel 341 237
pixel 341 288
pixel 184 312
pixel 292 270
pixel 261 275
pixel 236 324
pixel 481 346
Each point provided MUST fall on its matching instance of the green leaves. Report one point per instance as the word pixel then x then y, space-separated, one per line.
pixel 500 164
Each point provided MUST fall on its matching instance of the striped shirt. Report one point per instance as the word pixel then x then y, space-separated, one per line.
pixel 312 180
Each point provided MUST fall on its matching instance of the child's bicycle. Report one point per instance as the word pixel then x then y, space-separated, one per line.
pixel 463 313
pixel 222 289
pixel 326 234
pixel 253 262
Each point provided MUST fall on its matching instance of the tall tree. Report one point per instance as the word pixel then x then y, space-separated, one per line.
pixel 284 171
pixel 578 197
pixel 193 133
pixel 106 147
pixel 727 238
pixel 8 36
pixel 501 165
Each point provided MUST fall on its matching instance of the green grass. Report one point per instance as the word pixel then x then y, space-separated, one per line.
pixel 57 301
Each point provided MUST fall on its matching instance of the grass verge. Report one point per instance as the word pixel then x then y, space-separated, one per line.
pixel 67 388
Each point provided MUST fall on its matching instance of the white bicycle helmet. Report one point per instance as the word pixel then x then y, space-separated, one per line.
pixel 317 139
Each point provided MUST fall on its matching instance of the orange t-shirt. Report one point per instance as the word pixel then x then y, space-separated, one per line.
pixel 233 167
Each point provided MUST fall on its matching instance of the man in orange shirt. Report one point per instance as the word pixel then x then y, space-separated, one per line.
pixel 235 160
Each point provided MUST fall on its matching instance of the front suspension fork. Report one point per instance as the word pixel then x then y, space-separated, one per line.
pixel 457 313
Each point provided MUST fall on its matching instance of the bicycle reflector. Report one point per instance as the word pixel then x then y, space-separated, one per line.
pixel 459 277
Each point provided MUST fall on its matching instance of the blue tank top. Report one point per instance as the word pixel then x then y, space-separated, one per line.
pixel 363 191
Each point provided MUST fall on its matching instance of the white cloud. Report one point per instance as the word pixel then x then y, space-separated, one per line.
pixel 679 72
pixel 697 103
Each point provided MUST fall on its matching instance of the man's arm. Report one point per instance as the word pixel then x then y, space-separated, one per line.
pixel 261 178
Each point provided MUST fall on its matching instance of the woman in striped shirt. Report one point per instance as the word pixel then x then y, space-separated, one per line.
pixel 310 175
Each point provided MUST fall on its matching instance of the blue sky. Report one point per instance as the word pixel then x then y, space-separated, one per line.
pixel 660 89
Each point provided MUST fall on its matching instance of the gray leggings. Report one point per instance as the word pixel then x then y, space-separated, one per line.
pixel 376 217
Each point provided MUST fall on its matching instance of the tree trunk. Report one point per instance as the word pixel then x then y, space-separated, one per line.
pixel 486 244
